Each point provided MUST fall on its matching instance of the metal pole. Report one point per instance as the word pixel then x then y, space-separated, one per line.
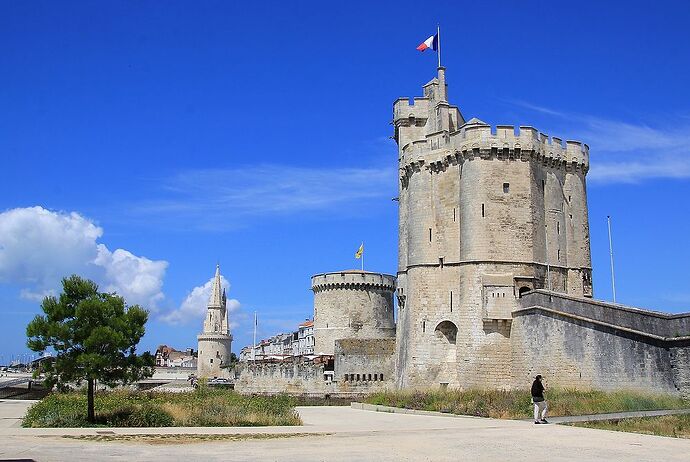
pixel 362 256
pixel 254 341
pixel 613 277
pixel 438 34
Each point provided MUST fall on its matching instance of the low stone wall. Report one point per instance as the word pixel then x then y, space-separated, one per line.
pixel 589 344
pixel 292 377
pixel 361 366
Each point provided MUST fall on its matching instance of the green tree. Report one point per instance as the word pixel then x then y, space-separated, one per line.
pixel 94 336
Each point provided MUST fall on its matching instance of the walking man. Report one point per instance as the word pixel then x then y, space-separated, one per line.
pixel 540 405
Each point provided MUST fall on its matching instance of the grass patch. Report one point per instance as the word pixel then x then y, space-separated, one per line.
pixel 516 404
pixel 677 426
pixel 203 407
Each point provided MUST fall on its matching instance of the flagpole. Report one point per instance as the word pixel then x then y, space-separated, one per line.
pixel 362 256
pixel 254 345
pixel 438 33
pixel 613 278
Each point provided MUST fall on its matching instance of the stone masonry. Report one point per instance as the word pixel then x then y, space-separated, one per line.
pixel 215 341
pixel 494 281
pixel 352 304
pixel 485 214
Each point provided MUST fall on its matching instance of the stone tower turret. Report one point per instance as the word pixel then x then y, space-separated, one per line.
pixel 215 341
pixel 485 214
pixel 351 304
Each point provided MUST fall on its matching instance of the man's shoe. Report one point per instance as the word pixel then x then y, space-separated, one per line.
pixel 543 421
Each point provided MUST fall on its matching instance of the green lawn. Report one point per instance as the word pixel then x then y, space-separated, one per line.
pixel 516 404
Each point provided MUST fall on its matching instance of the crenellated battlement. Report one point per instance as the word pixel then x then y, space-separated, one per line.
pixel 477 139
pixel 405 109
pixel 352 279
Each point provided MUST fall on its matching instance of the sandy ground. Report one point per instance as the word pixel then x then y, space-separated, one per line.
pixel 345 434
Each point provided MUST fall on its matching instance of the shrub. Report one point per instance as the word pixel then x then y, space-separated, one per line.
pixel 203 407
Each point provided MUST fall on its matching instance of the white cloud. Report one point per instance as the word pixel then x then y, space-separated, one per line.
pixel 624 152
pixel 206 198
pixel 137 279
pixel 38 247
pixel 193 307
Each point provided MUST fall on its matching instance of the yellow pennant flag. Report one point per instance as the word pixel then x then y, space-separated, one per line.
pixel 360 251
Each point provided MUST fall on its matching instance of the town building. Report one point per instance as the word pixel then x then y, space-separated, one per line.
pixel 167 356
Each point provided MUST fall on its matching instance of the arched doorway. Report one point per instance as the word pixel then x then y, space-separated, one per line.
pixel 447 331
pixel 446 352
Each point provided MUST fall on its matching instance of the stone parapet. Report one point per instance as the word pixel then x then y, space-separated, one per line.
pixel 352 280
pixel 438 150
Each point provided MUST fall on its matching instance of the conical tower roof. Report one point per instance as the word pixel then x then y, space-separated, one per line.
pixel 216 298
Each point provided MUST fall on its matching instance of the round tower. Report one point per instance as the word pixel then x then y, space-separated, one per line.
pixel 215 341
pixel 485 214
pixel 351 304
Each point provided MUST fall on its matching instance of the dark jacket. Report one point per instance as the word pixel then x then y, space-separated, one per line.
pixel 537 391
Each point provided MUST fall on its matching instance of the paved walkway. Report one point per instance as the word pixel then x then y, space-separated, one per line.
pixel 346 434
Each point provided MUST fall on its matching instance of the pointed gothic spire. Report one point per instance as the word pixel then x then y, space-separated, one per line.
pixel 216 298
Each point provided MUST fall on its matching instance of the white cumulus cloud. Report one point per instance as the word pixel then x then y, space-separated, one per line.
pixel 193 308
pixel 38 247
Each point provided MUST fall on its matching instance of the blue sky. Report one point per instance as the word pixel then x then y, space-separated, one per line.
pixel 142 142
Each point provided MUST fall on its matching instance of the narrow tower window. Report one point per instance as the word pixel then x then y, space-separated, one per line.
pixel 440 261
pixel 423 326
pixel 453 214
pixel 558 227
pixel 506 188
pixel 451 301
pixel 429 234
pixel 559 254
pixel 482 210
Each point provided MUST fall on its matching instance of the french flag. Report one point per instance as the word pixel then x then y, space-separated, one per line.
pixel 431 42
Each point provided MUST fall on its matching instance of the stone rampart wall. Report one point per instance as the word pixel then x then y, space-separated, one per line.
pixel 589 344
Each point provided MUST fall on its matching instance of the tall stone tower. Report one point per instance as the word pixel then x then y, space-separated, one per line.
pixel 486 214
pixel 215 341
pixel 352 304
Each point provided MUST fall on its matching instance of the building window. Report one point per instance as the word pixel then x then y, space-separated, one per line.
pixel 559 254
pixel 506 188
pixel 451 301
pixel 482 210
pixel 358 377
pixel 440 261
pixel 429 234
pixel 369 377
pixel 423 326
pixel 381 377
pixel 453 214
pixel 211 360
pixel 558 227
